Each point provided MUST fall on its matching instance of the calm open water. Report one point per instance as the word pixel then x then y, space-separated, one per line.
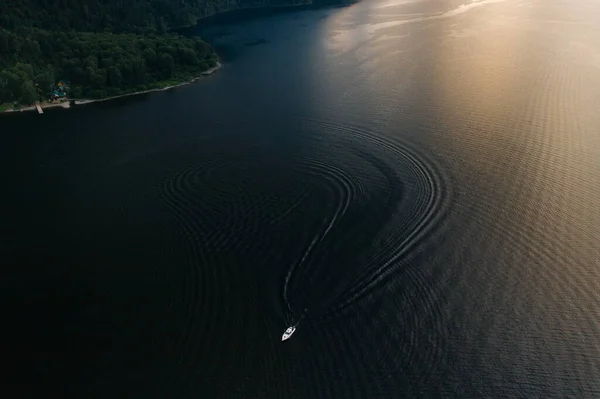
pixel 423 177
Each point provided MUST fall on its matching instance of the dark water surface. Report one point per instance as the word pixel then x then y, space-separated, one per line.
pixel 422 176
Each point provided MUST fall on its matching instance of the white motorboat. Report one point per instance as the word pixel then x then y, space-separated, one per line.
pixel 288 333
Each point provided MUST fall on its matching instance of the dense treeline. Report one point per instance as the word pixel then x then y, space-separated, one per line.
pixel 118 15
pixel 103 47
pixel 96 64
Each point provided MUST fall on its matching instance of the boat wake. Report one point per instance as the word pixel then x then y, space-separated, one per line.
pixel 399 191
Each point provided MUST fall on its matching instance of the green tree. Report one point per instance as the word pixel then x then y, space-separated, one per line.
pixel 139 70
pixel 97 78
pixel 188 56
pixel 28 93
pixel 107 62
pixel 45 81
pixel 172 51
pixel 91 62
pixel 97 64
pixel 13 84
pixel 77 92
pixel 15 45
pixel 150 56
pixel 167 64
pixel 114 77
pixel 4 44
pixel 30 50
pixel 25 70
pixel 202 48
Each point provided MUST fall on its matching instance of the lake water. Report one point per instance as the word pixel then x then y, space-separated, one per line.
pixel 423 177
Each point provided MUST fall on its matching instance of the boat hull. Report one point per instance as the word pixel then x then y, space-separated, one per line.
pixel 288 333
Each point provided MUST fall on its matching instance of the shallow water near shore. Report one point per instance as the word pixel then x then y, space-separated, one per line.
pixel 422 177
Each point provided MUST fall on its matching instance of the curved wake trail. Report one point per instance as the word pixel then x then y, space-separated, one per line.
pixel 341 209
pixel 372 276
pixel 405 234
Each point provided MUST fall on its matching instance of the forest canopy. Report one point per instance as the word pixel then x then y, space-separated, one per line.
pixel 101 47
pixel 96 64
pixel 118 15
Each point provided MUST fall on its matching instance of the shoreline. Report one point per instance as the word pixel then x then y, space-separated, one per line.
pixel 210 71
pixel 45 105
pixel 84 101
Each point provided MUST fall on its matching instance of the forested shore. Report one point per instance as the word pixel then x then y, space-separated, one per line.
pixel 53 50
pixel 96 65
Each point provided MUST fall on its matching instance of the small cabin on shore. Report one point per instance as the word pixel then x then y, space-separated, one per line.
pixel 59 92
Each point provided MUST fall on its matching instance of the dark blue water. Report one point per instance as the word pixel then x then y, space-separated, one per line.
pixel 423 177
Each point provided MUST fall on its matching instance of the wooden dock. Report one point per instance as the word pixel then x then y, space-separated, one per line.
pixel 39 108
